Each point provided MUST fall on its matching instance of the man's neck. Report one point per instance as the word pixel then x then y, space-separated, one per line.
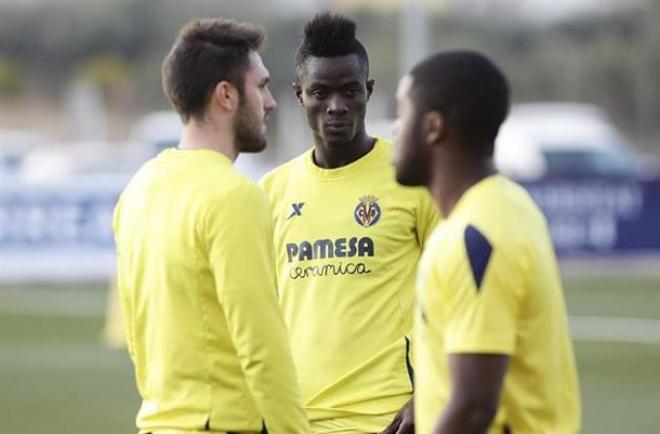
pixel 208 135
pixel 454 175
pixel 332 158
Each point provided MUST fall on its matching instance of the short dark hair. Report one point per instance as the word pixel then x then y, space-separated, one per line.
pixel 206 52
pixel 469 90
pixel 330 35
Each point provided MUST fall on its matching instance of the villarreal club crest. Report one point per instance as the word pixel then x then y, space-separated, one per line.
pixel 367 212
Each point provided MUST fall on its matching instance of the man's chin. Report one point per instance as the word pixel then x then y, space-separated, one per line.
pixel 253 146
pixel 338 142
pixel 410 179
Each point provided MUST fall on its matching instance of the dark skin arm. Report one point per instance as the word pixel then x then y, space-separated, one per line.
pixel 404 421
pixel 477 381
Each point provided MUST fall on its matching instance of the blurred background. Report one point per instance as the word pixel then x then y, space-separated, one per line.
pixel 81 108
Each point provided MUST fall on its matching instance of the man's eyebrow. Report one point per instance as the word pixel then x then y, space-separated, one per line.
pixel 319 83
pixel 324 83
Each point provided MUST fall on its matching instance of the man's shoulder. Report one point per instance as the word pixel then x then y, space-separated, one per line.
pixel 140 183
pixel 500 205
pixel 214 184
pixel 501 221
pixel 281 174
pixel 240 201
pixel 241 187
pixel 387 144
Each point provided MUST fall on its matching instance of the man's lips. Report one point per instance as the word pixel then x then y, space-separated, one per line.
pixel 337 125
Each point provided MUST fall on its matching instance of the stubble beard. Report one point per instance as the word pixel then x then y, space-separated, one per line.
pixel 247 128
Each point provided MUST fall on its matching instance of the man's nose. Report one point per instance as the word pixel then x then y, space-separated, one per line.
pixel 270 104
pixel 337 105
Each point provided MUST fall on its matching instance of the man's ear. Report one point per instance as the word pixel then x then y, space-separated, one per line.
pixel 226 96
pixel 434 128
pixel 370 87
pixel 297 89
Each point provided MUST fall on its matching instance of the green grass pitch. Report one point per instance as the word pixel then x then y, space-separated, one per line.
pixel 56 377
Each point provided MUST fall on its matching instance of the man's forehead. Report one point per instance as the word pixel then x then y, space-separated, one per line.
pixel 339 68
pixel 257 66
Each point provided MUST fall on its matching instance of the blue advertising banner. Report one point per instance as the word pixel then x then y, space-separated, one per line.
pixel 59 232
pixel 64 231
pixel 56 220
pixel 600 216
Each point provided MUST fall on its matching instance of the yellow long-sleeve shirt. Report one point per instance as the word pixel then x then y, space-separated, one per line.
pixel 197 285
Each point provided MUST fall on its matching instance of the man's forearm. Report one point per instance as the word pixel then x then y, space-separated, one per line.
pixel 465 419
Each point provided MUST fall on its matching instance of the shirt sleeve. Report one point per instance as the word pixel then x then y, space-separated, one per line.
pixel 484 291
pixel 427 217
pixel 266 185
pixel 239 231
pixel 122 287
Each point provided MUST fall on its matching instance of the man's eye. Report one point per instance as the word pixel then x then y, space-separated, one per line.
pixel 319 93
pixel 352 92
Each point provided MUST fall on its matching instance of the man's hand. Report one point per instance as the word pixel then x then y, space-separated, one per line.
pixel 404 421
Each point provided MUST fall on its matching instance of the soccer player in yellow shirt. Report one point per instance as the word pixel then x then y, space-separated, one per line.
pixel 493 349
pixel 347 242
pixel 195 259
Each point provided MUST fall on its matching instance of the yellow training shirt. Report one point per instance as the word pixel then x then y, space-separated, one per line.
pixel 489 283
pixel 347 243
pixel 197 286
